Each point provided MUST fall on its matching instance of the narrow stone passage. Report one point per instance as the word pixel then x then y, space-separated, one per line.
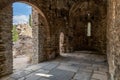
pixel 80 65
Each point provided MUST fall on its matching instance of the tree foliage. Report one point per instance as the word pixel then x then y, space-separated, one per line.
pixel 15 35
pixel 30 20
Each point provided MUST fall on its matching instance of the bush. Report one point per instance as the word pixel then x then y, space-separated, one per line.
pixel 15 35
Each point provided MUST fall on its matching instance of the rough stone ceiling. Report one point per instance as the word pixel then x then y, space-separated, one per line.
pixel 82 9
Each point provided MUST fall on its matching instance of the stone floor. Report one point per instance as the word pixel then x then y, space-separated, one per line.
pixel 20 62
pixel 80 65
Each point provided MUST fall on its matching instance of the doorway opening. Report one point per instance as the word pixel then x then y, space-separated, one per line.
pixel 62 43
pixel 40 34
pixel 22 35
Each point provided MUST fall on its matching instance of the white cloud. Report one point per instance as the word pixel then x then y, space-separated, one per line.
pixel 21 19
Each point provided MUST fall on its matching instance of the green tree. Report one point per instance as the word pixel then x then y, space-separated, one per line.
pixel 15 35
pixel 30 20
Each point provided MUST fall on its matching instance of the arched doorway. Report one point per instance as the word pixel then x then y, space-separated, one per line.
pixel 87 17
pixel 22 35
pixel 62 43
pixel 40 37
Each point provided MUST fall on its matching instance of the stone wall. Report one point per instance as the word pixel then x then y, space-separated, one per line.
pixel 41 38
pixel 116 39
pixel 69 19
pixel 44 50
pixel 80 14
pixel 35 29
pixel 57 19
pixel 113 35
pixel 6 41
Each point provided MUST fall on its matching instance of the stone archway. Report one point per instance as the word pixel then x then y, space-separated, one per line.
pixel 41 35
pixel 62 43
pixel 113 36
pixel 79 15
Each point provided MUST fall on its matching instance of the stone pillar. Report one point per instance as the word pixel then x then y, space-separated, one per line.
pixel 116 38
pixel 42 43
pixel 41 39
pixel 38 37
pixel 6 59
pixel 52 48
pixel 113 35
pixel 35 33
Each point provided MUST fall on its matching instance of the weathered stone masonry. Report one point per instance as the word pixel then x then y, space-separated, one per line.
pixel 6 40
pixel 78 22
pixel 69 17
pixel 113 35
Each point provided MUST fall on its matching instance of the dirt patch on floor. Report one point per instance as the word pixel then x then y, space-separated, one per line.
pixel 20 62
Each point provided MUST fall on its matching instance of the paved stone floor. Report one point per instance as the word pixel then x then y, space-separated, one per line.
pixel 20 62
pixel 80 65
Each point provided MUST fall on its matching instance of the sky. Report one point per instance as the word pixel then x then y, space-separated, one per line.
pixel 21 12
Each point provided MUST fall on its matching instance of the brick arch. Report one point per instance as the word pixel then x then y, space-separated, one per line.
pixel 78 13
pixel 62 41
pixel 67 37
pixel 43 34
pixel 42 14
pixel 35 4
pixel 82 7
pixel 6 66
